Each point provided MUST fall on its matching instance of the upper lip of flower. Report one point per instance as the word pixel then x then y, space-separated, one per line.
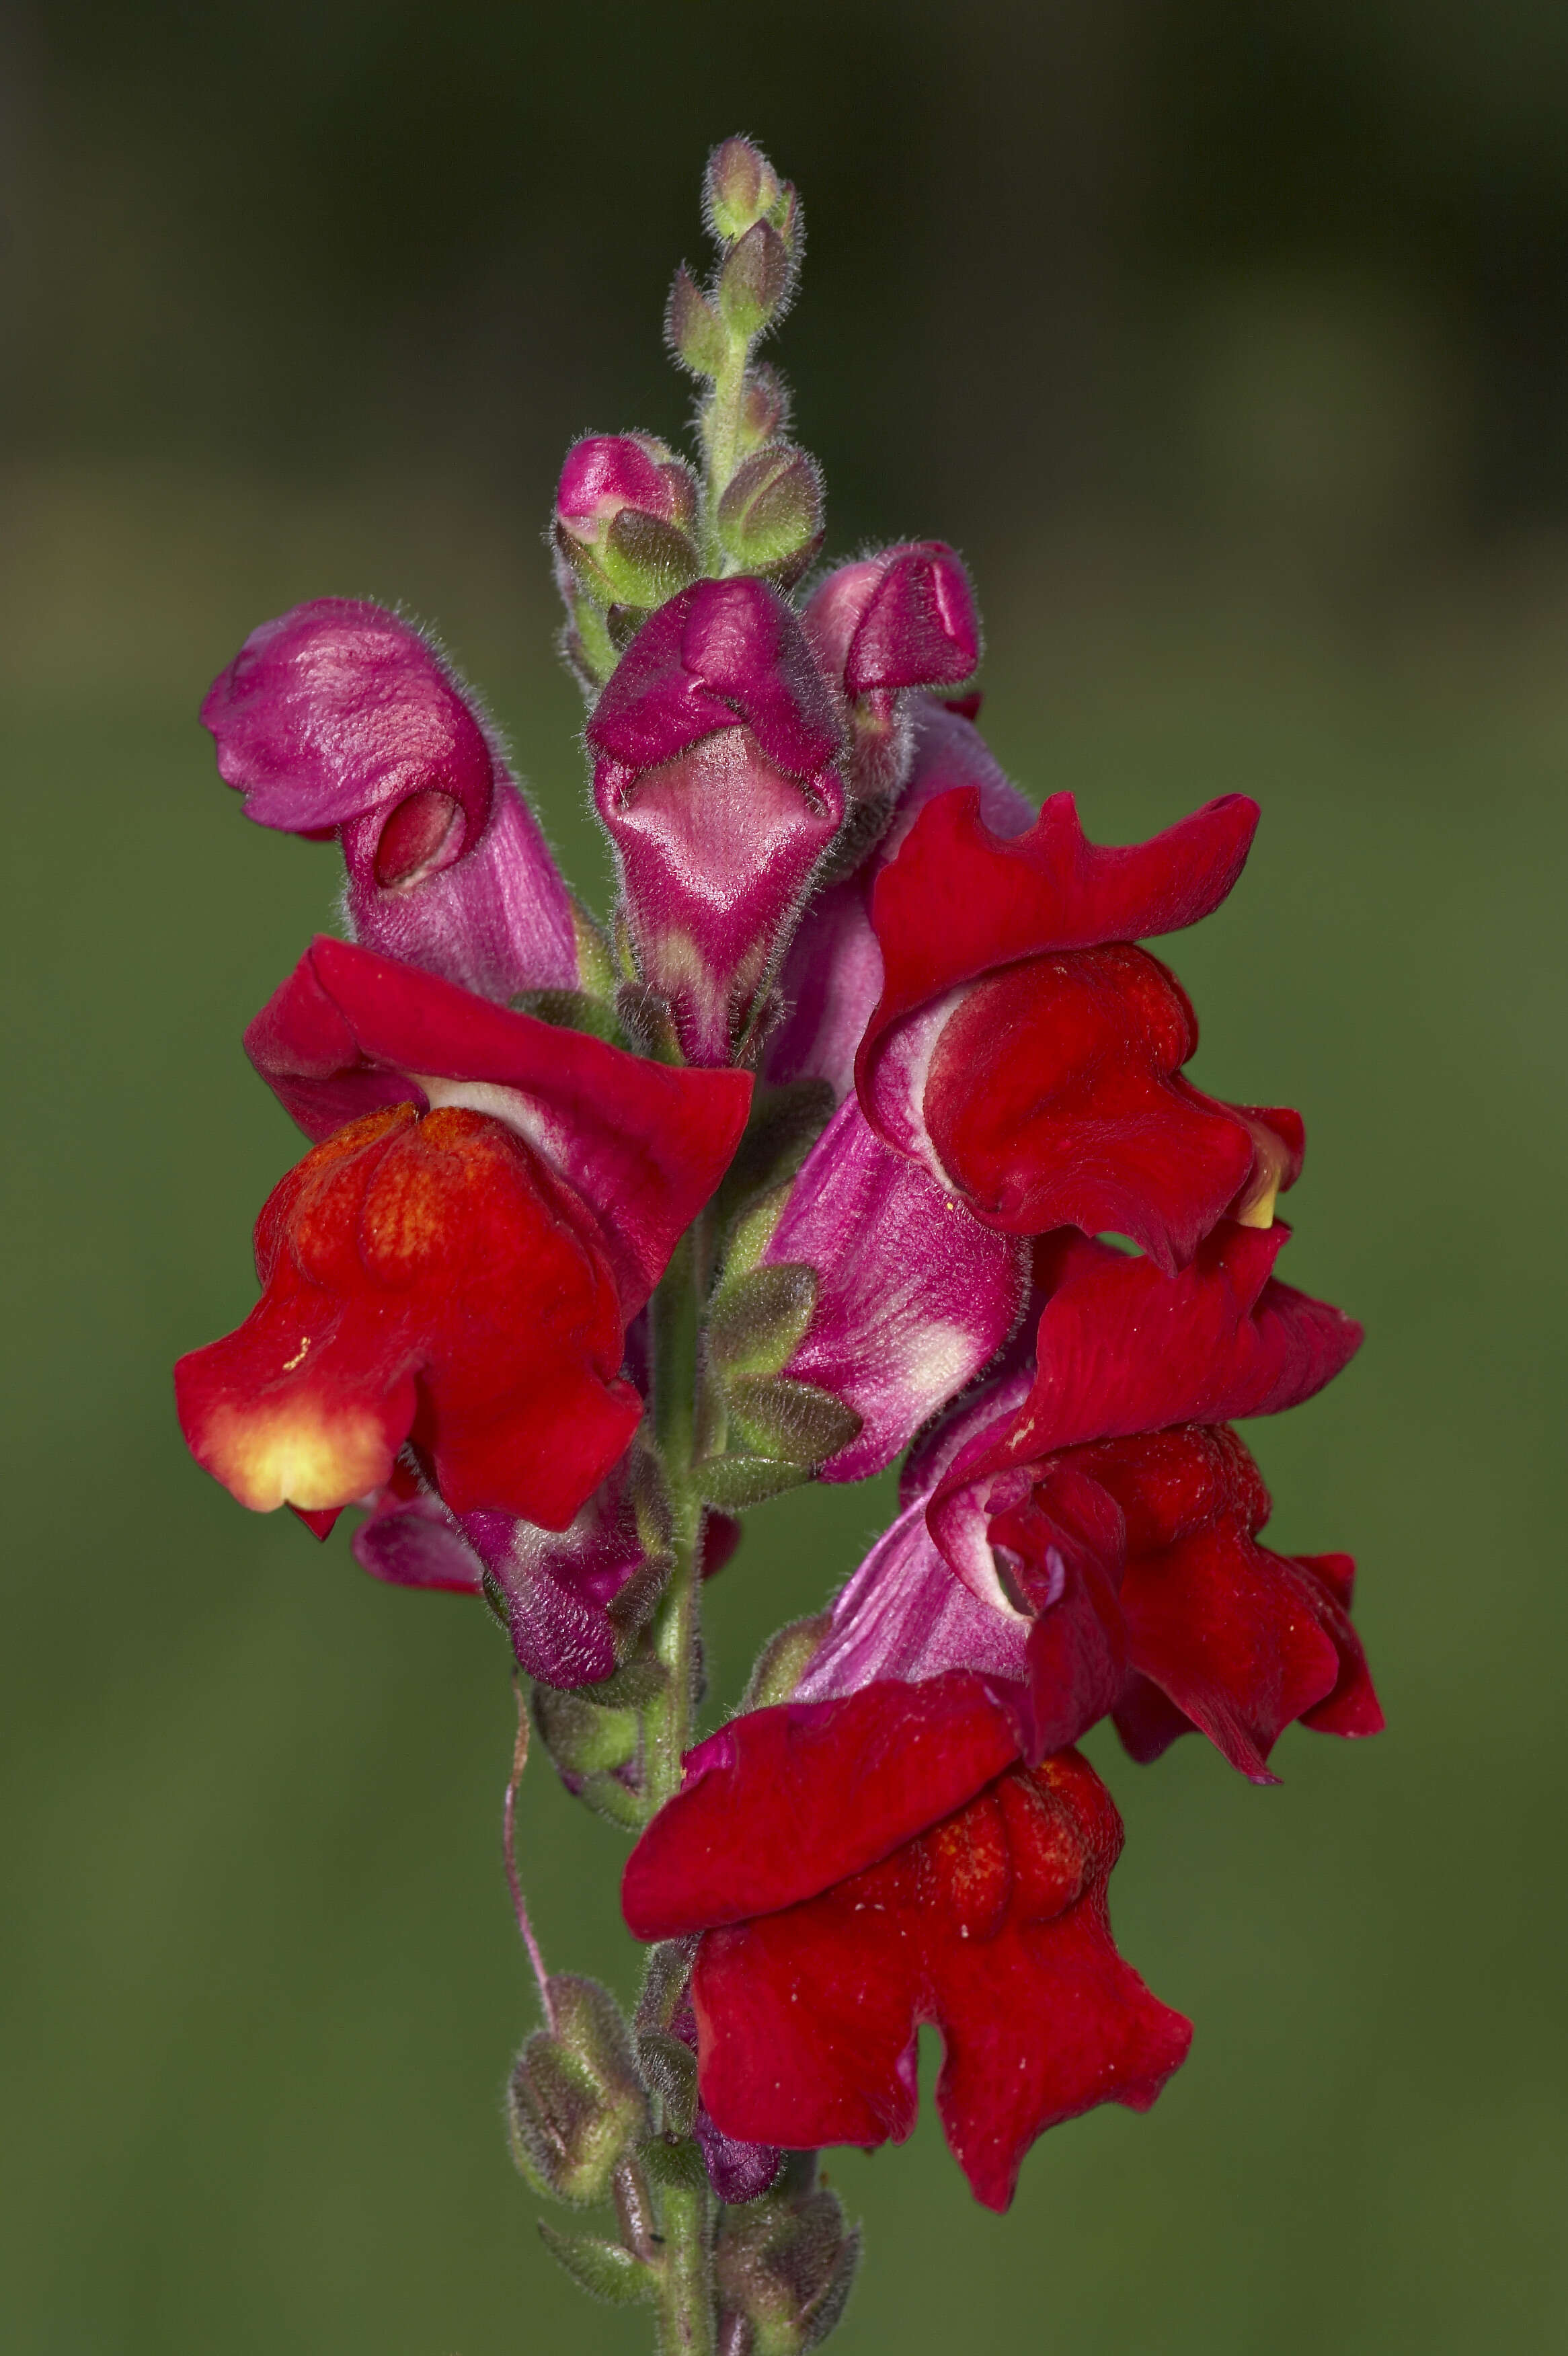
pixel 644 1143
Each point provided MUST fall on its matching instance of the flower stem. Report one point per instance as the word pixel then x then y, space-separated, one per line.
pixel 722 417
pixel 509 1850
pixel 686 2305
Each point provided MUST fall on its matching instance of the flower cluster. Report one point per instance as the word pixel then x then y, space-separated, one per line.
pixel 861 1132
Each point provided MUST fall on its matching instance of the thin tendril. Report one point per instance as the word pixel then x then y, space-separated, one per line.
pixel 509 1850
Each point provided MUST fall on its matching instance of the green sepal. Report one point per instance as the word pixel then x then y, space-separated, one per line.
pixel 771 511
pixel 631 1686
pixel 596 959
pixel 646 560
pixel 617 1802
pixel 734 1482
pixel 675 2162
pixel 603 2269
pixel 588 649
pixel 796 1423
pixel 759 1321
pixel 574 1010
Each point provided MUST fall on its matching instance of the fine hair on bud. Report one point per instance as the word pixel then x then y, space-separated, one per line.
pixel 739 187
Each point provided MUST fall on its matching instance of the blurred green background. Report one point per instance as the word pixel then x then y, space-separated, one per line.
pixel 1230 340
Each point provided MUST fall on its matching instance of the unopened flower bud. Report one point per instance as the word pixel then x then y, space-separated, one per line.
pixel 622 511
pixel 765 410
pixel 899 621
pixel 755 280
pixel 577 2103
pixel 784 1660
pixel 692 328
pixel 604 473
pixel 582 1737
pixel 787 2263
pixel 741 186
pixel 770 517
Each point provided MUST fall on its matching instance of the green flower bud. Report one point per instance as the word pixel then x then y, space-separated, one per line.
pixel 739 187
pixel 577 2103
pixel 671 2070
pixel 755 280
pixel 582 1737
pixel 692 328
pixel 771 512
pixel 787 2262
pixel 765 410
pixel 784 1660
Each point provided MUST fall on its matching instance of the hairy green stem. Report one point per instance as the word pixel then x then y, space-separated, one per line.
pixel 722 419
pixel 686 2310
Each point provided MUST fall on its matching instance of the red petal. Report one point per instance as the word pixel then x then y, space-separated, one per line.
pixel 1352 1709
pixel 1239 1641
pixel 1123 1348
pixel 643 1143
pixel 958 901
pixel 782 1803
pixel 1054 1098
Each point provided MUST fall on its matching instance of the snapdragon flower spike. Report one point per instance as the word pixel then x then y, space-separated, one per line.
pixel 1030 1056
pixel 955 1886
pixel 715 774
pixel 912 1296
pixel 460 1264
pixel 832 980
pixel 891 623
pixel 341 717
pixel 1112 1507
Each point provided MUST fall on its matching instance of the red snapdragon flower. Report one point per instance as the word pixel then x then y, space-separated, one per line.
pixel 861 1866
pixel 1116 1513
pixel 457 1267
pixel 1029 1054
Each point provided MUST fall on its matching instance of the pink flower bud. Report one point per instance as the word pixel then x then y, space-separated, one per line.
pixel 893 623
pixel 717 777
pixel 606 472
pixel 905 618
